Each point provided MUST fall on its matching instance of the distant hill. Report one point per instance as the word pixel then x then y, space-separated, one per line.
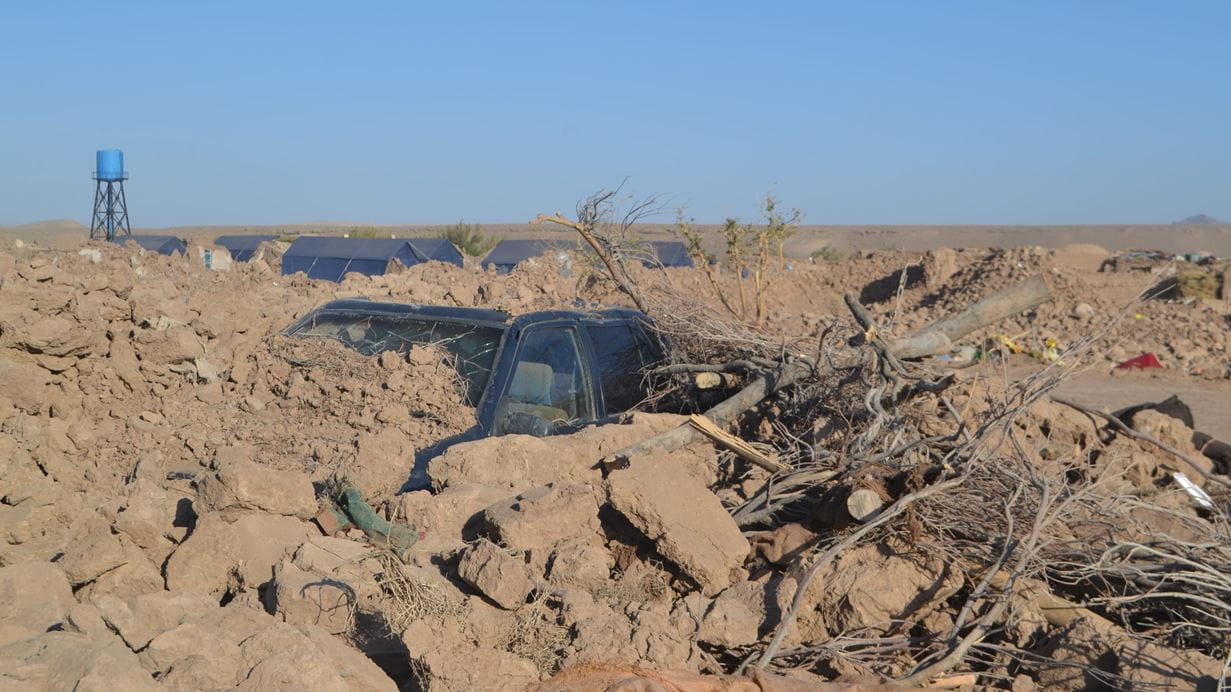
pixel 61 233
pixel 49 226
pixel 1199 220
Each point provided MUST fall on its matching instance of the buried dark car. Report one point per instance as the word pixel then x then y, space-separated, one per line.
pixel 540 373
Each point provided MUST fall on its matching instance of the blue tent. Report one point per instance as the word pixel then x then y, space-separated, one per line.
pixel 162 244
pixel 242 247
pixel 670 253
pixel 331 258
pixel 439 249
pixel 509 253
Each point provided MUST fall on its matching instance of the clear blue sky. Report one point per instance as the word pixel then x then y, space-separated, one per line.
pixel 403 112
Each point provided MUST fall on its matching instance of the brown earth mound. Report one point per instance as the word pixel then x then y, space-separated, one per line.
pixel 163 452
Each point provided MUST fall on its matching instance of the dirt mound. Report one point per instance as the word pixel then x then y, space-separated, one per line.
pixel 169 462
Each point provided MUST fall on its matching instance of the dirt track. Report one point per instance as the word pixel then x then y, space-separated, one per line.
pixel 1210 400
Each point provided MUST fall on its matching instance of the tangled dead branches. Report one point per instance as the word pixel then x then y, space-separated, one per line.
pixel 957 467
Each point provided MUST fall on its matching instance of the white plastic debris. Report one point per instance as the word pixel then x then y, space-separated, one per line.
pixel 1197 492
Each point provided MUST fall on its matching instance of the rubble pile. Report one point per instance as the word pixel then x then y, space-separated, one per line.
pixel 1189 336
pixel 166 459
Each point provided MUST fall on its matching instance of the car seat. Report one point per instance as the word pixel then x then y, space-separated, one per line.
pixel 530 391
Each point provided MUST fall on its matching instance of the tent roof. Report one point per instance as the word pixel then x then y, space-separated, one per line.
pixel 671 253
pixel 351 248
pixel 436 248
pixel 242 242
pixel 514 251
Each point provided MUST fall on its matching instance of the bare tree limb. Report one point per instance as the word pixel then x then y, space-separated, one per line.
pixel 940 336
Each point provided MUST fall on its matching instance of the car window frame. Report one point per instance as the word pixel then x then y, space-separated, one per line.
pixel 504 328
pixel 508 365
pixel 648 351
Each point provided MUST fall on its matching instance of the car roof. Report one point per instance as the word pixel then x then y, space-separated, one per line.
pixel 484 315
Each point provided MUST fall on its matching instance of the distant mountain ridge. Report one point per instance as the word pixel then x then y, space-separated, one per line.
pixel 1198 220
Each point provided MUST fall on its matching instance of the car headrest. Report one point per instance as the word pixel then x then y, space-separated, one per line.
pixel 532 383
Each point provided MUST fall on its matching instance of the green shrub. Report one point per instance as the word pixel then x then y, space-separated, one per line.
pixel 469 238
pixel 826 253
pixel 366 232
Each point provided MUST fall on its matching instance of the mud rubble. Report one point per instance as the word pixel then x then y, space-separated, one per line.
pixel 163 454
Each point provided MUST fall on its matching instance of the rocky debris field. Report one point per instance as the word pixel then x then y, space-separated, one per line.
pixel 165 457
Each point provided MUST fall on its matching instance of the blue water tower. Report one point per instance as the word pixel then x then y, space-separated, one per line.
pixel 110 204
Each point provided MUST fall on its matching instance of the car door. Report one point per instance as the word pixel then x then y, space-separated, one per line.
pixel 550 387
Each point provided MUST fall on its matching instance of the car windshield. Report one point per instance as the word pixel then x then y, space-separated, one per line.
pixel 472 346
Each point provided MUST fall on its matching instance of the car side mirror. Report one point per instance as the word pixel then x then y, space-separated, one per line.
pixel 522 423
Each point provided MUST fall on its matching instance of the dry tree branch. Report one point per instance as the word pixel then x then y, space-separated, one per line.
pixel 597 225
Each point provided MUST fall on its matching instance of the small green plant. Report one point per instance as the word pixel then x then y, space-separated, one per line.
pixel 826 253
pixel 469 238
pixel 366 232
pixel 749 249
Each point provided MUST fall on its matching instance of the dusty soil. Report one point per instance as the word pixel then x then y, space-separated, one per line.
pixel 1210 400
pixel 166 457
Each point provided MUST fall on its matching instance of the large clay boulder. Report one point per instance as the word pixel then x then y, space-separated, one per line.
pixel 452 662
pixel 687 523
pixel 1174 433
pixel 540 520
pixel 647 632
pixel 249 548
pixel 741 614
pixel 140 619
pixel 152 515
pixel 382 463
pixel 939 265
pixel 1091 647
pixel 135 576
pixel 70 661
pixel 501 577
pixel 169 346
pixel 24 384
pixel 521 462
pixel 310 598
pixel 57 336
pixel 288 657
pixel 442 516
pixel 92 552
pixel 34 597
pixel 169 648
pixel 246 485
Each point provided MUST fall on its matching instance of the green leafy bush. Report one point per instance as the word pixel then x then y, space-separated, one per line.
pixel 469 238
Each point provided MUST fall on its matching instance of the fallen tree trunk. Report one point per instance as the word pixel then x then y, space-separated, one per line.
pixel 1216 450
pixel 940 336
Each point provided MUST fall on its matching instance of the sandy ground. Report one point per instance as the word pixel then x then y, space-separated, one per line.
pixel 1210 400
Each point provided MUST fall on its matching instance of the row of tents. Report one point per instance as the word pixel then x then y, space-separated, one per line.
pixel 331 258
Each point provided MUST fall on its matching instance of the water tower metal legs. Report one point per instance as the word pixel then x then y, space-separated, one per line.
pixel 110 211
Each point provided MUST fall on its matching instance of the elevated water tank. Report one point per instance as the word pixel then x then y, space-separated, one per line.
pixel 109 165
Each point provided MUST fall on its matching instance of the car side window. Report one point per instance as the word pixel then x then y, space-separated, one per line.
pixel 621 364
pixel 549 379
